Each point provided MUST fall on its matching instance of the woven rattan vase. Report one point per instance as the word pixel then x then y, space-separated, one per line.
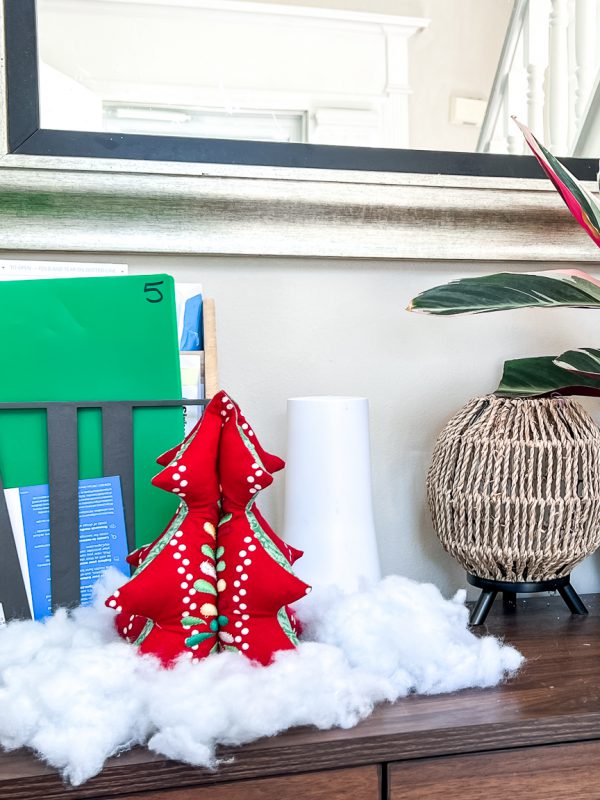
pixel 514 488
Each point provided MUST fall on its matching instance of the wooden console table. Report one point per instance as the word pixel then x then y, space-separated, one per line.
pixel 539 734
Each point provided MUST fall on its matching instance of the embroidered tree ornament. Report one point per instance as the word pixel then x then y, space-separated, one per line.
pixel 218 578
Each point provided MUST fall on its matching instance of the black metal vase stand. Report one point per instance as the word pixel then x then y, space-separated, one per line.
pixel 510 590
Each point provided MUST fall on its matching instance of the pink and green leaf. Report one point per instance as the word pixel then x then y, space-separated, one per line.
pixel 583 361
pixel 579 201
pixel 504 291
pixel 541 377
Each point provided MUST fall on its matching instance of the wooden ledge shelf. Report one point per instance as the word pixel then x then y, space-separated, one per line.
pixel 419 747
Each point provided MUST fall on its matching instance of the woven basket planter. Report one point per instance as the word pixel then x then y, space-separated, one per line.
pixel 514 487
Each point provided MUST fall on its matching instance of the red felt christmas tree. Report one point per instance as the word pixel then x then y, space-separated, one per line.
pixel 218 577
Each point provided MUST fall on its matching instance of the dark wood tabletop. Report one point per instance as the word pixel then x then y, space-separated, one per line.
pixel 555 698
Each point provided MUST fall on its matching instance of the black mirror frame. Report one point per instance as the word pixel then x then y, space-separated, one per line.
pixel 25 137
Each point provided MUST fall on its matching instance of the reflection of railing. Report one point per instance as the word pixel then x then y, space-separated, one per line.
pixel 547 70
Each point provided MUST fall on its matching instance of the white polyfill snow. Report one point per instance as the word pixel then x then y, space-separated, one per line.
pixel 75 693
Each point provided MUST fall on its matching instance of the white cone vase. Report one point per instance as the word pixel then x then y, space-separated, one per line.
pixel 328 501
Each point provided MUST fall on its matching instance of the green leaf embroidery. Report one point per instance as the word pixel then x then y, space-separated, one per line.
pixel 189 622
pixel 164 540
pixel 286 625
pixel 214 649
pixel 146 630
pixel 267 544
pixel 208 551
pixel 220 551
pixel 224 519
pixel 198 638
pixel 204 586
pixel 221 566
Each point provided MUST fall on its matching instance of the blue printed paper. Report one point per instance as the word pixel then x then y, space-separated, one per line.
pixel 102 537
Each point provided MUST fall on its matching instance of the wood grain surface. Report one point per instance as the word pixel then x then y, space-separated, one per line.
pixel 555 699
pixel 361 783
pixel 538 773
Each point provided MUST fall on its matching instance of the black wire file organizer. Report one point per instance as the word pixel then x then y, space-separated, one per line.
pixel 63 482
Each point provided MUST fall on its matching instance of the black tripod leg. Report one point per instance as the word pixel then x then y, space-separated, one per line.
pixel 572 599
pixel 482 607
pixel 509 602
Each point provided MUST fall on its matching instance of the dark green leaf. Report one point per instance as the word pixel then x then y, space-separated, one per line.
pixel 539 377
pixel 506 290
pixel 584 361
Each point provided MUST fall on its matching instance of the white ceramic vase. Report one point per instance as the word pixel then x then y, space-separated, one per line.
pixel 328 503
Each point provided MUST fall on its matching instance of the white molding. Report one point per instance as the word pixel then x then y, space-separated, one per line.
pixel 337 16
pixel 88 205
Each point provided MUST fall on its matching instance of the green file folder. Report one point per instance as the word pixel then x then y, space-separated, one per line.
pixel 74 339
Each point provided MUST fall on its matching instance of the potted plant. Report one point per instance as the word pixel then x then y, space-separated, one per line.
pixel 514 485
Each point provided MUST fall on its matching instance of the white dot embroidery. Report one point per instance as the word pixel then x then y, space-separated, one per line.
pixel 173 542
pixel 112 603
pixel 186 562
pixel 243 592
pixel 176 555
pixel 255 465
pixel 258 473
pixel 181 570
pixel 184 585
pixel 252 547
pixel 247 561
pixel 252 491
pixel 236 584
pixel 238 639
pixel 177 490
pixel 245 646
pixel 176 476
pixel 242 553
pixel 250 479
pixel 239 568
pixel 239 624
pixel 186 600
pixel 184 483
pixel 186 613
pixel 244 577
pixel 245 631
pixel 243 606
pixel 182 468
pixel 247 539
pixel 189 576
pixel 181 547
pixel 179 534
pixel 192 591
pixel 117 593
pixel 245 616
pixel 236 598
pixel 245 426
pixel 194 606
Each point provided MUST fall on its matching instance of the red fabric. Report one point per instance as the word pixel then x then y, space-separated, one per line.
pixel 218 577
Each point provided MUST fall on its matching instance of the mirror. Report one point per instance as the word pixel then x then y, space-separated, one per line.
pixel 401 85
pixel 366 73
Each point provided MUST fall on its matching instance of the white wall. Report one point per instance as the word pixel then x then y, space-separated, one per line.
pixel 301 327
